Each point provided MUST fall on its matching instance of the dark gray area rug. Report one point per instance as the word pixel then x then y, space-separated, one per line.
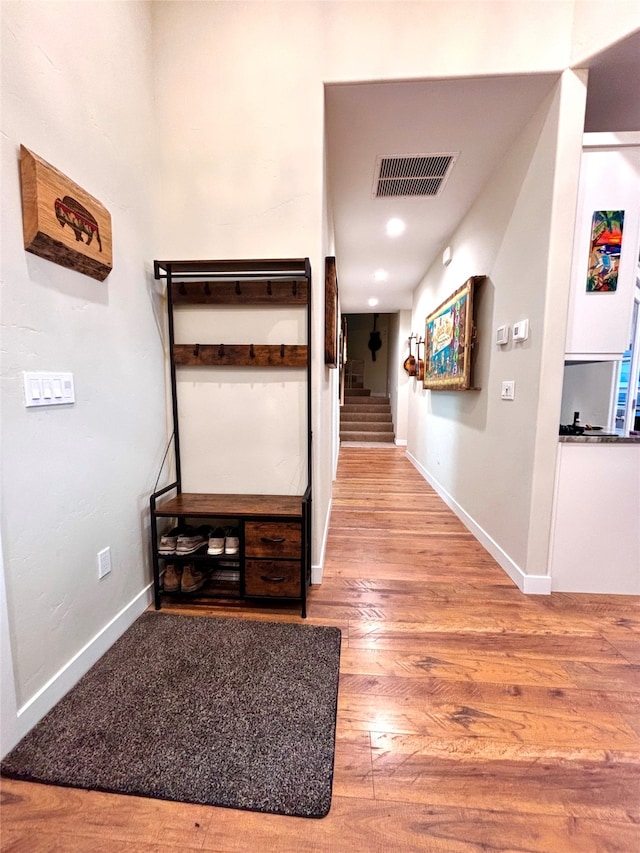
pixel 225 712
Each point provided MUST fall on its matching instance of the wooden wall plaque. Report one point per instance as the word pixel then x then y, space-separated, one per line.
pixel 62 222
pixel 330 313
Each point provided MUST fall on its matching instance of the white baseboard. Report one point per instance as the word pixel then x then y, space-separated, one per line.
pixel 529 584
pixel 317 570
pixel 400 442
pixel 69 675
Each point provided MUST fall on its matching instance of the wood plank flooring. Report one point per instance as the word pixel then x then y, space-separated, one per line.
pixel 471 717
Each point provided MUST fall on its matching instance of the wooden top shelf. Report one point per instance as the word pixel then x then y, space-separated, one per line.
pixel 296 267
pixel 259 506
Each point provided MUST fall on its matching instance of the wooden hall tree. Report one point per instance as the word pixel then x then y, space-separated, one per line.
pixel 273 529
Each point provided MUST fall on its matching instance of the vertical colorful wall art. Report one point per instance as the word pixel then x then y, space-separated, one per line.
pixel 604 253
pixel 449 338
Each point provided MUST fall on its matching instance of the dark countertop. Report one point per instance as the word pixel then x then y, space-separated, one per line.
pixel 597 437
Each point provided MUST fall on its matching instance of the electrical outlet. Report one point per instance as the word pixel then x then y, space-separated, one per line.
pixel 509 390
pixel 104 562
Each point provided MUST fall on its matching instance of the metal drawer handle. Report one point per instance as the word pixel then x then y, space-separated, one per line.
pixel 273 540
pixel 267 579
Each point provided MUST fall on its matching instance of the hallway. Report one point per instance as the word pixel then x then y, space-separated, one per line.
pixel 471 717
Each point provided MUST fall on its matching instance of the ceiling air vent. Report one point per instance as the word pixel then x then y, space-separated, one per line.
pixel 413 175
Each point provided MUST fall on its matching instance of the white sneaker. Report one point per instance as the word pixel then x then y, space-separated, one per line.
pixel 191 542
pixel 169 542
pixel 216 542
pixel 231 542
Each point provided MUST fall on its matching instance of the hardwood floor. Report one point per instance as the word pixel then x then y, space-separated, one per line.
pixel 471 717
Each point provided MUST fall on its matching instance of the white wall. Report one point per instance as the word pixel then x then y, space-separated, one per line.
pixel 589 388
pixel 75 89
pixel 464 440
pixel 239 90
pixel 376 373
pixel 599 324
pixel 400 383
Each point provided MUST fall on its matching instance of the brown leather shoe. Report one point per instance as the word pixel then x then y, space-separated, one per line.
pixel 192 579
pixel 171 581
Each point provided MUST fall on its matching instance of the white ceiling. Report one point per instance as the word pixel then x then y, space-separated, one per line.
pixel 477 117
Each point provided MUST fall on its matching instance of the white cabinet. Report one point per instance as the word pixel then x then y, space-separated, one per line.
pixel 595 540
pixel 599 323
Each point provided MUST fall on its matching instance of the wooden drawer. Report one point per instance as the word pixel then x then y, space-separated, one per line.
pixel 273 539
pixel 275 578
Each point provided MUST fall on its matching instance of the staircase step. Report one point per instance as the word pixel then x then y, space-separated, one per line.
pixel 363 408
pixel 366 436
pixel 363 426
pixel 364 400
pixel 365 417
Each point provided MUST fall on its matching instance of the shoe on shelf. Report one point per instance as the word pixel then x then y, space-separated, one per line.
pixel 192 540
pixel 231 541
pixel 216 542
pixel 171 580
pixel 192 579
pixel 169 542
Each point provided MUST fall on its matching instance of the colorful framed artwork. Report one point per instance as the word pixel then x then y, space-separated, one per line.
pixel 448 341
pixel 604 251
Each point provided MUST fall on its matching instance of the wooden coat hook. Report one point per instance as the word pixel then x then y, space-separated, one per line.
pixel 196 351
pixel 281 350
pixel 182 289
pixel 221 351
pixel 269 291
pixel 252 353
pixel 238 291
pixel 207 289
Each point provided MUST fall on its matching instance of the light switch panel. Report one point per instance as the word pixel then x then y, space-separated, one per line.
pixel 48 389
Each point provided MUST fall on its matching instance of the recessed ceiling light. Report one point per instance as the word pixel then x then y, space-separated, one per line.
pixel 373 302
pixel 381 275
pixel 395 227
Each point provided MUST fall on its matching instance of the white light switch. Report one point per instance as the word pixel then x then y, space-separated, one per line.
pixel 509 390
pixel 48 389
